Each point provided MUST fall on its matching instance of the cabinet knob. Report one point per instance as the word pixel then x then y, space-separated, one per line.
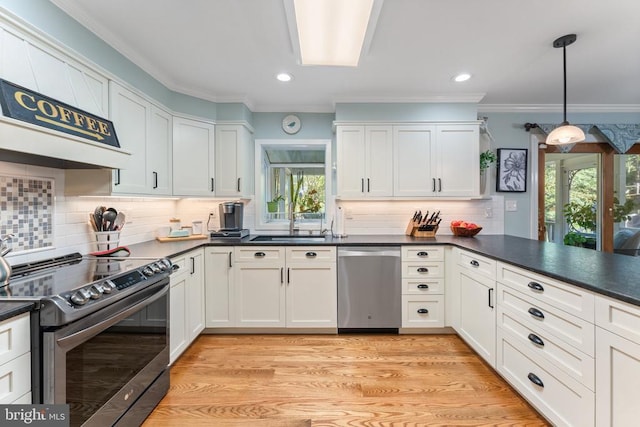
pixel 536 340
pixel 535 286
pixel 423 286
pixel 260 255
pixel 536 313
pixel 423 270
pixel 474 263
pixel 535 379
pixel 311 254
pixel 423 254
pixel 423 311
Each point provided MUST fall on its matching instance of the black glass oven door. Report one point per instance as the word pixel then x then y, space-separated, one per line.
pixel 101 374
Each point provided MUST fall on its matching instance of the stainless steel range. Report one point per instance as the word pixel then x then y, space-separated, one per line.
pixel 100 339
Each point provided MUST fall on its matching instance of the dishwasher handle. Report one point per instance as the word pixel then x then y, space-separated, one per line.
pixel 368 252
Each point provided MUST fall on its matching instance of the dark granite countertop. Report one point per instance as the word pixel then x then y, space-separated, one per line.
pixel 617 276
pixel 11 309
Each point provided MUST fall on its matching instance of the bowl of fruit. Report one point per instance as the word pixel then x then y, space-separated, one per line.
pixel 464 229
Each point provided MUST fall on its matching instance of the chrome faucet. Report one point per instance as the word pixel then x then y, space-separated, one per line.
pixel 292 219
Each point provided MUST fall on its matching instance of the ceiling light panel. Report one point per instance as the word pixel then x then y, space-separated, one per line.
pixel 332 32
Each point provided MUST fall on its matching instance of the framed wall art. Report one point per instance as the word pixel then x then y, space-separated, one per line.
pixel 512 170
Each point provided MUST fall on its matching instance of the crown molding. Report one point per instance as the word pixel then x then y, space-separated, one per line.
pixel 433 98
pixel 557 108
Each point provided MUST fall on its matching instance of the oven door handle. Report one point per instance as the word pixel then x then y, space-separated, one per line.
pixel 93 330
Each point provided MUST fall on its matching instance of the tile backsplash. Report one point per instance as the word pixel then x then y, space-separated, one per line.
pixel 27 211
pixel 51 224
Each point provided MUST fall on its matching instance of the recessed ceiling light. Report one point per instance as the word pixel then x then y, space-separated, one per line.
pixel 462 77
pixel 284 77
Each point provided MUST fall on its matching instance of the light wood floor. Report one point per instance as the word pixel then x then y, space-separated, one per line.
pixel 337 380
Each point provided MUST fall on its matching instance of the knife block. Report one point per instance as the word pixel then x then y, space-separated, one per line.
pixel 430 233
pixel 413 230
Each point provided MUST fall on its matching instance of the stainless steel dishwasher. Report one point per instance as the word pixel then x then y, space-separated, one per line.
pixel 369 289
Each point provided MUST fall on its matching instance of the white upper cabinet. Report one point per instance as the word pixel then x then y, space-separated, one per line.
pixel 413 161
pixel 234 160
pixel 365 161
pixel 436 160
pixel 130 114
pixel 193 157
pixel 458 160
pixel 159 162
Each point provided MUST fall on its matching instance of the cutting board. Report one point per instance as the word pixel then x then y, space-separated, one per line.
pixel 180 239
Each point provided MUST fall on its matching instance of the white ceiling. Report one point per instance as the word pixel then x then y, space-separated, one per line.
pixel 231 50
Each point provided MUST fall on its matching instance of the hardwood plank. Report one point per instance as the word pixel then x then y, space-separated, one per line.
pixel 337 380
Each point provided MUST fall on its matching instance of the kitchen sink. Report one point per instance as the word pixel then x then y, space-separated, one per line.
pixel 295 238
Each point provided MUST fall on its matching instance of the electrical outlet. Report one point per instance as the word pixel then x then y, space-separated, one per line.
pixel 511 205
pixel 212 214
pixel 348 213
pixel 488 213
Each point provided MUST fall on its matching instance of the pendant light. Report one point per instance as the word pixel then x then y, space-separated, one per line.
pixel 565 133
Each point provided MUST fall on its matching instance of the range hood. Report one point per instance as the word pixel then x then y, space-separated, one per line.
pixel 21 142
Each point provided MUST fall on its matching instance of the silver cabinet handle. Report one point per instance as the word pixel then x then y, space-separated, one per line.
pixel 535 286
pixel 474 263
pixel 239 184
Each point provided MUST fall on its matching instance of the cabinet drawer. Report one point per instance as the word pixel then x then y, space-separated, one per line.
pixel 14 338
pixel 572 361
pixel 422 311
pixel 477 263
pixel 422 269
pixel 618 317
pixel 540 316
pixel 15 378
pixel 560 398
pixel 258 253
pixel 569 298
pixel 427 286
pixel 423 253
pixel 311 253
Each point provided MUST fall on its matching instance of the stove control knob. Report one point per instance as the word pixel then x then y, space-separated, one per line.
pixel 148 271
pixel 166 263
pixel 161 265
pixel 95 291
pixel 78 298
pixel 156 268
pixel 106 288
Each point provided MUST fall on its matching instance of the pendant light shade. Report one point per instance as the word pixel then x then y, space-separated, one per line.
pixel 565 133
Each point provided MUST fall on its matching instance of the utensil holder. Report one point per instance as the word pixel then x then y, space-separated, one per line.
pixel 107 240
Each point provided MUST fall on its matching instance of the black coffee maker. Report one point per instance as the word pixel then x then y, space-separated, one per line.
pixel 231 216
pixel 231 219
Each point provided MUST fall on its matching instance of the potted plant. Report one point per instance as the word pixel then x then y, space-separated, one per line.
pixel 272 206
pixel 486 159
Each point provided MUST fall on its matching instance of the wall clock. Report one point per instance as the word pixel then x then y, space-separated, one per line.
pixel 291 124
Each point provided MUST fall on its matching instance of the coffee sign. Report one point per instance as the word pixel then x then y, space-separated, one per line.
pixel 23 104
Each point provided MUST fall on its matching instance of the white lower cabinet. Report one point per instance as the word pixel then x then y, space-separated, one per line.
pixel 293 286
pixel 260 294
pixel 219 287
pixel 478 314
pixel 15 360
pixel 559 397
pixel 617 363
pixel 422 286
pixel 186 302
pixel 477 322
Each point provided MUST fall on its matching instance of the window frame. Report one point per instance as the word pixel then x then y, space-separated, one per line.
pixel 261 179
